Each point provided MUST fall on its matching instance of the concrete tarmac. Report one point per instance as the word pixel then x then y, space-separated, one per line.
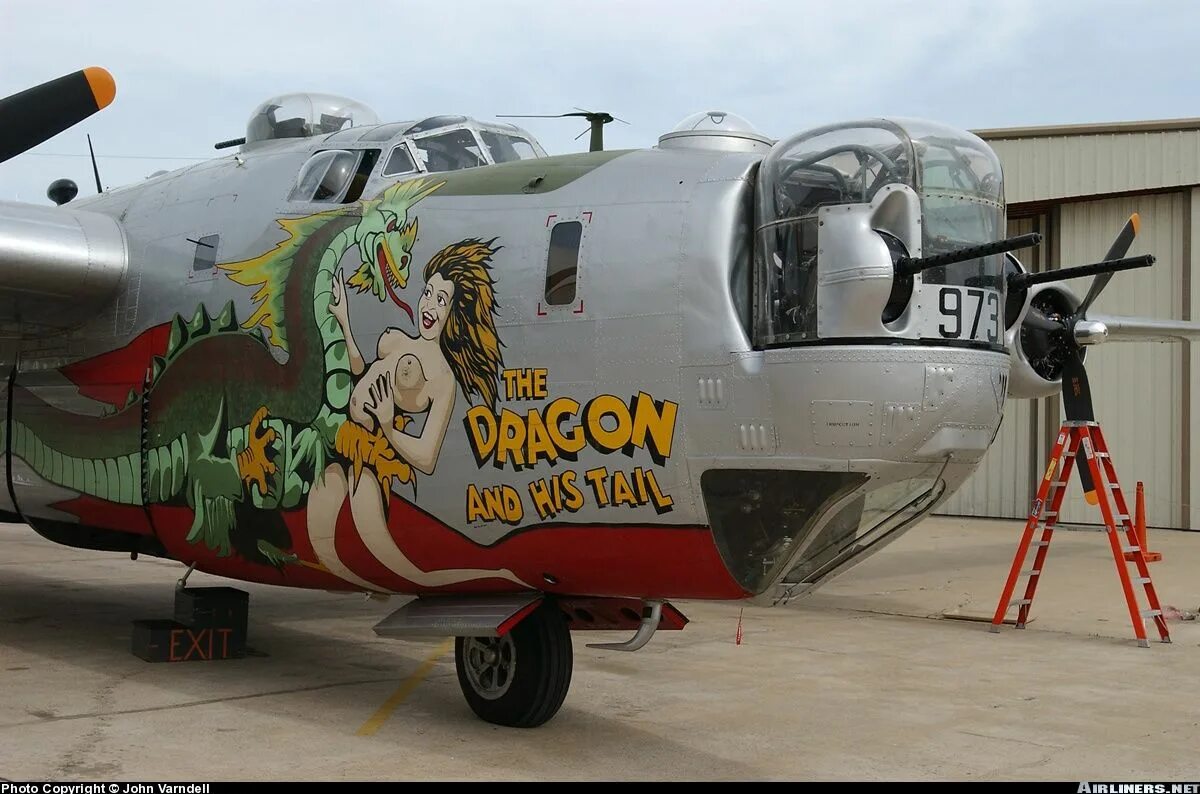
pixel 866 679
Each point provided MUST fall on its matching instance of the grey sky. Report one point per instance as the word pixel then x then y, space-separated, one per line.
pixel 188 74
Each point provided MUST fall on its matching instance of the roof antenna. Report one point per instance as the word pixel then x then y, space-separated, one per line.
pixel 95 169
pixel 596 121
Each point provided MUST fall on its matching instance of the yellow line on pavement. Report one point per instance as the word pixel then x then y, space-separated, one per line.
pixel 406 688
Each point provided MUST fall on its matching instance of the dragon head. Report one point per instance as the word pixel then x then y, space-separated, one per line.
pixel 385 237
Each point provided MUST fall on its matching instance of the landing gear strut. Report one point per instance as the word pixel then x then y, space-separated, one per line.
pixel 521 679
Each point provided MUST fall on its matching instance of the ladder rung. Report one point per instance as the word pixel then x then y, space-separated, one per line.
pixel 1040 543
pixel 1019 602
pixel 1151 613
pixel 1131 549
pixel 1121 517
pixel 1050 514
pixel 1141 580
pixel 1057 484
pixel 1031 572
pixel 1102 454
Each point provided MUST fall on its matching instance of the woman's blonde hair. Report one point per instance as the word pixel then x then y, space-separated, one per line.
pixel 469 340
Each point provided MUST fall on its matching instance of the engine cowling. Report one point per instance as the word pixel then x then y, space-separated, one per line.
pixel 1037 354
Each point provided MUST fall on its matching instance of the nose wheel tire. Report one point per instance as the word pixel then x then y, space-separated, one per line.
pixel 521 679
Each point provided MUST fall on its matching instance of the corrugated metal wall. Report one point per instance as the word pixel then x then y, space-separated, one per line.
pixel 1062 166
pixel 1137 388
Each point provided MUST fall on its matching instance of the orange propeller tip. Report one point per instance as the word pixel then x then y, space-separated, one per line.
pixel 1136 220
pixel 104 88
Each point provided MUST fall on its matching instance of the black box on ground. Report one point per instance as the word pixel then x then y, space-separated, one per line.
pixel 215 608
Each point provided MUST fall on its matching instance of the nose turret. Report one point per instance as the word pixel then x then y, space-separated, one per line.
pixel 839 206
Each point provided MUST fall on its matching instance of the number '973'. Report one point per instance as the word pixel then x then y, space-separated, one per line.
pixel 964 311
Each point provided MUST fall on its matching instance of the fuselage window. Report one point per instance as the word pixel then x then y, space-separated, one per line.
pixel 399 162
pixel 449 151
pixel 562 263
pixel 206 253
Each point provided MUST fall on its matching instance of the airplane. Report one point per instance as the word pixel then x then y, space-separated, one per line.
pixel 539 393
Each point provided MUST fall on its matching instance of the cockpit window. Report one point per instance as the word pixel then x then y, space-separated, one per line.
pixel 507 148
pixel 338 175
pixel 449 151
pixel 399 162
pixel 324 176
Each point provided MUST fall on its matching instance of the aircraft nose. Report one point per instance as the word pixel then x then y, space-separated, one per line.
pixel 860 441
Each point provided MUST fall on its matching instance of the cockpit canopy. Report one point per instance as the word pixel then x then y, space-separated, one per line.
pixel 304 116
pixel 347 161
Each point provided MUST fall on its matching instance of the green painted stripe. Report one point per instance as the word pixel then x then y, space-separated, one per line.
pixel 513 178
pixel 101 488
pixel 126 479
pixel 174 466
pixel 329 328
pixel 114 480
pixel 77 473
pixel 56 466
pixel 89 476
pixel 154 478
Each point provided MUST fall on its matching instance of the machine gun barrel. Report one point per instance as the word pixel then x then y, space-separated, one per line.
pixel 1021 280
pixel 908 266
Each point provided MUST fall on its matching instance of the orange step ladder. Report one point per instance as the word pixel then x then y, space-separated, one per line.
pixel 1076 439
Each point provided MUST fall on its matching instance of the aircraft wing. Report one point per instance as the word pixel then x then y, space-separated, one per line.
pixel 1146 329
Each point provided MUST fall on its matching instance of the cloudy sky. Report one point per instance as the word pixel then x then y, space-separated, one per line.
pixel 188 74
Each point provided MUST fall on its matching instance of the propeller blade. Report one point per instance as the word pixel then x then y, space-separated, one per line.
pixel 1119 248
pixel 1077 394
pixel 39 113
pixel 1077 402
pixel 1124 240
pixel 585 132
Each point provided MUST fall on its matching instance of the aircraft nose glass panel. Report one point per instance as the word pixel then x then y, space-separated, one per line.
pixel 838 207
pixel 839 164
pixel 962 202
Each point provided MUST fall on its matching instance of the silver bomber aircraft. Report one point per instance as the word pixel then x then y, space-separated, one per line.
pixel 540 394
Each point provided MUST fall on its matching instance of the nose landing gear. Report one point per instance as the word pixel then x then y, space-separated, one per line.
pixel 521 679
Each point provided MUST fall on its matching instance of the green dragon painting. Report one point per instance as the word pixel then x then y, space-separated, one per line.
pixel 220 449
